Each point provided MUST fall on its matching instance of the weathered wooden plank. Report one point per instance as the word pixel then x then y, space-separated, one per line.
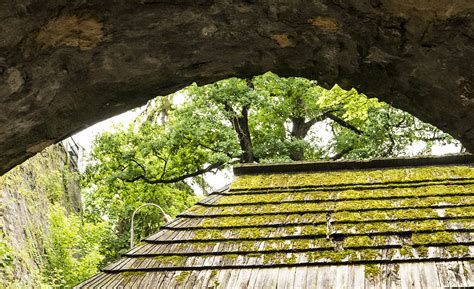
pixel 300 277
pixel 311 277
pixel 220 278
pixel 266 278
pixel 157 235
pixel 162 282
pixel 135 281
pixel 191 280
pixel 114 283
pixel 189 262
pixel 174 280
pixel 149 262
pixel 178 223
pixel 455 274
pixel 232 278
pixel 211 199
pixel 357 276
pixel 325 276
pixel 341 276
pixel 387 278
pixel 159 249
pixel 468 269
pixel 103 283
pixel 418 275
pixel 117 265
pixel 174 222
pixel 242 281
pixel 253 278
pixel 282 277
pixel 92 280
pixel 200 279
pixel 152 280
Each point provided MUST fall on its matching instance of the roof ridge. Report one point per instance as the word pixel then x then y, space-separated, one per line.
pixel 311 166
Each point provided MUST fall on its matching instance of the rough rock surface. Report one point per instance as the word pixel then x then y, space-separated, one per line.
pixel 65 65
pixel 27 194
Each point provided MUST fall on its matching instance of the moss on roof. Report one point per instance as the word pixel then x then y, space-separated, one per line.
pixel 347 205
pixel 352 177
pixel 361 216
pixel 382 193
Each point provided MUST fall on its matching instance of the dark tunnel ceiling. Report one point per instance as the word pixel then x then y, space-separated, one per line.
pixel 66 65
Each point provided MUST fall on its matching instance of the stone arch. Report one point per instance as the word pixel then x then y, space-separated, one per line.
pixel 67 64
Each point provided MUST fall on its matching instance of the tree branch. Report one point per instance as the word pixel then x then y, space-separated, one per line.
pixel 140 165
pixel 343 123
pixel 342 153
pixel 209 148
pixel 176 179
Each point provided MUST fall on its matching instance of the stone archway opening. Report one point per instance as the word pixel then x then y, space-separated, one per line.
pixel 65 66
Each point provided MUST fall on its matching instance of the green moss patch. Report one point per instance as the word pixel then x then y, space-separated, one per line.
pixel 403 226
pixel 382 193
pixel 129 274
pixel 173 260
pixel 346 216
pixel 350 177
pixel 326 206
pixel 371 270
pixel 183 275
pixel 458 251
pixel 258 220
pixel 253 233
pixel 433 238
pixel 326 255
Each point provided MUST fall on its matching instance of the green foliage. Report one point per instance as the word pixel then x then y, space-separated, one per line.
pixel 283 112
pixel 53 183
pixel 59 250
pixel 113 191
pixel 6 253
pixel 6 261
pixel 72 248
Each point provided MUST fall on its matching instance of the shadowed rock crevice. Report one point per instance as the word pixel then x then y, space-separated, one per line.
pixel 65 65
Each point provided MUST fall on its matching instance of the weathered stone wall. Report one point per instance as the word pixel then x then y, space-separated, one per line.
pixel 26 193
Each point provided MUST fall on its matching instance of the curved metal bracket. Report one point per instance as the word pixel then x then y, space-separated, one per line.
pixel 165 216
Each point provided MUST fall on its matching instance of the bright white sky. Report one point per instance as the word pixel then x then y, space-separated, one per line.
pixel 86 137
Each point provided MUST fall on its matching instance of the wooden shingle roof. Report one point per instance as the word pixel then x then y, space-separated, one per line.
pixel 380 223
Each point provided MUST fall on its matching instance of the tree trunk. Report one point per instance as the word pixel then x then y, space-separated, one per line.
pixel 241 127
pixel 298 132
